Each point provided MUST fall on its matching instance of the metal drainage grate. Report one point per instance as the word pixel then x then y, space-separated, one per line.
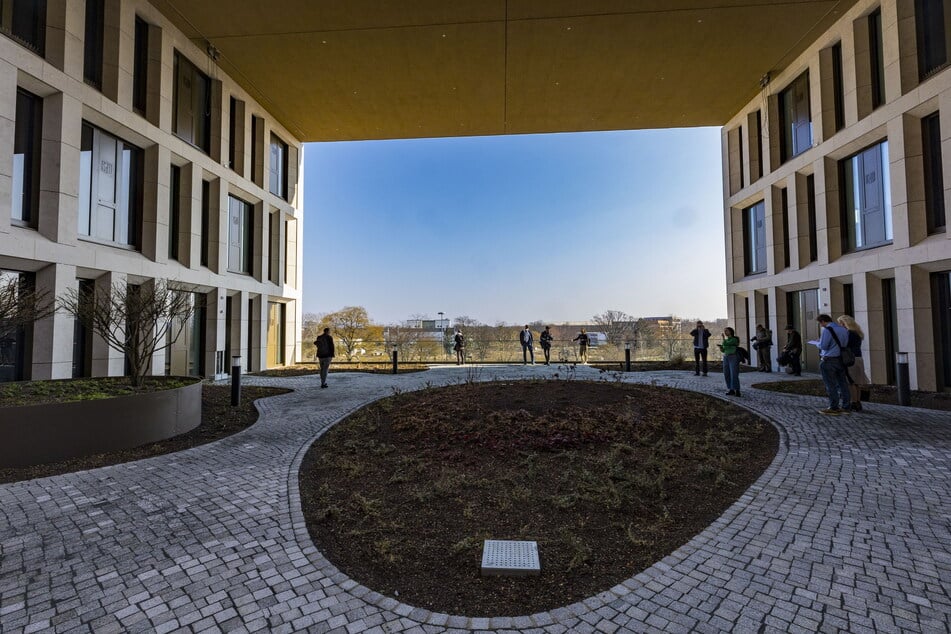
pixel 511 558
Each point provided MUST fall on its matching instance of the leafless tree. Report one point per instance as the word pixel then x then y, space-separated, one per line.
pixel 21 305
pixel 137 320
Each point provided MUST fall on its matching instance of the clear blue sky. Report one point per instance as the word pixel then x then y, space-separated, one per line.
pixel 553 227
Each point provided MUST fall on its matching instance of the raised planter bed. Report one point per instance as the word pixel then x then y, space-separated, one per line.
pixel 35 434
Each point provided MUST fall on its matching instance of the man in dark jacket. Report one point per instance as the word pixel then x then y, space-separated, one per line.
pixel 325 354
pixel 528 344
pixel 793 349
pixel 701 342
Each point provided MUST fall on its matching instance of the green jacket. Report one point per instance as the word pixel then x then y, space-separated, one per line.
pixel 729 345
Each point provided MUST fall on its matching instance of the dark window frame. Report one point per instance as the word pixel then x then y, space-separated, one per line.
pixel 933 37
pixel 791 119
pixel 838 87
pixel 784 202
pixel 140 67
pixel 811 217
pixel 29 143
pixel 93 42
pixel 27 25
pixel 851 241
pixel 933 173
pixel 174 210
pixel 876 57
pixel 205 221
pixel 184 72
pixel 284 149
pixel 754 253
pixel 245 238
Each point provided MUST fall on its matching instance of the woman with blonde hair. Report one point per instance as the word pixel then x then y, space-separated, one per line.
pixel 858 379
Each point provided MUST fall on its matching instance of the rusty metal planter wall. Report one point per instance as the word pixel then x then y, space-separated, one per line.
pixel 34 434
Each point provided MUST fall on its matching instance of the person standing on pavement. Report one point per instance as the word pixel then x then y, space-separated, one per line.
pixel 583 341
pixel 701 341
pixel 834 337
pixel 528 345
pixel 546 340
pixel 325 354
pixel 858 379
pixel 459 345
pixel 763 343
pixel 731 361
pixel 793 349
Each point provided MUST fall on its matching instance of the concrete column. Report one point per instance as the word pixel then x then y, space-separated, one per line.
pixel 53 335
pixel 218 250
pixel 259 328
pixel 734 233
pixel 190 237
pixel 107 361
pixel 907 181
pixel 215 334
pixel 259 243
pixel 826 123
pixel 8 108
pixel 292 333
pixel 863 67
pixel 828 224
pixel 907 42
pixel 916 325
pixel 155 210
pixel 59 171
pixel 874 325
pixel 944 116
pixel 65 31
pixel 891 52
pixel 735 165
pixel 796 191
pixel 239 329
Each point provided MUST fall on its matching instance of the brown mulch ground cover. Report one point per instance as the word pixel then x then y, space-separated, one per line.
pixel 218 419
pixel 887 394
pixel 608 479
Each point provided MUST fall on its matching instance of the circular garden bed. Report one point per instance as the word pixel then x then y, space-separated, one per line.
pixel 608 478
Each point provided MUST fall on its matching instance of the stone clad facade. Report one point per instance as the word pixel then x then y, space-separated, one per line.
pixel 836 180
pixel 128 155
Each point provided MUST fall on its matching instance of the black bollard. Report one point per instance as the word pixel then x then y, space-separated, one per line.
pixel 235 381
pixel 396 364
pixel 904 384
pixel 627 358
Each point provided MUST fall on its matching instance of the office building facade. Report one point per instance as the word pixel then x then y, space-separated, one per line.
pixel 128 156
pixel 836 184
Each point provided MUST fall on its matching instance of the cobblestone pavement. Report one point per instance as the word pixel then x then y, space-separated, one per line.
pixel 848 530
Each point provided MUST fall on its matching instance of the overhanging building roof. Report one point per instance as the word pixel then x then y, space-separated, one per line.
pixel 332 70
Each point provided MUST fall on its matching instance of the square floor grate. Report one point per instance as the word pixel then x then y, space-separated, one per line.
pixel 510 558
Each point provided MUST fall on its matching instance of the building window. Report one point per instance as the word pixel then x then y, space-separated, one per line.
pixel 934 178
pixel 174 210
pixel 933 30
pixel 867 214
pixel 240 228
pixel 941 307
pixel 26 157
pixel 742 164
pixel 277 181
pixel 876 58
pixel 754 238
pixel 811 217
pixel 784 201
pixel 795 118
pixel 110 188
pixel 756 147
pixel 848 299
pixel 838 87
pixel 140 66
pixel 232 134
pixel 25 22
pixel 257 147
pixel 276 320
pixel 205 221
pixel 191 115
pixel 93 43
pixel 15 340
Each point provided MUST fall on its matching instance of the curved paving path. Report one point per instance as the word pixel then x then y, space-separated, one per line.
pixel 848 530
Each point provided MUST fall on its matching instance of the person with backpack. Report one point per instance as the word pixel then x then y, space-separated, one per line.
pixel 832 366
pixel 763 343
pixel 731 360
pixel 325 354
pixel 793 349
pixel 858 379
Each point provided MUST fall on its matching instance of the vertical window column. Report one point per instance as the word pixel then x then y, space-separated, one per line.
pixel 831 90
pixel 869 63
pixel 933 174
pixel 734 141
pixel 27 141
pixel 754 238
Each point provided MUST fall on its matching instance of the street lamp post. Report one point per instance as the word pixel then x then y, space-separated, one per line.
pixel 395 359
pixel 627 356
pixel 235 380
pixel 904 386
